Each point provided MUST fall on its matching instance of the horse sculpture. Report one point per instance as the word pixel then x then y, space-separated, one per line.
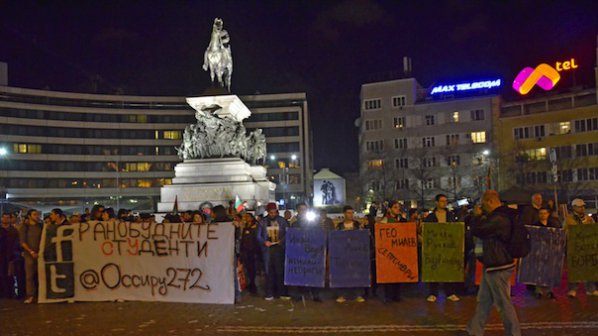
pixel 218 56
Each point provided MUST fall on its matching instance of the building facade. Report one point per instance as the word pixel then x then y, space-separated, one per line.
pixel 73 149
pixel 413 145
pixel 566 124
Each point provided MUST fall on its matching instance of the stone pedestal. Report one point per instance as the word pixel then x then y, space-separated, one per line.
pixel 217 181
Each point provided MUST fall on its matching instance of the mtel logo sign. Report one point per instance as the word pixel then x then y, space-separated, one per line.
pixel 543 75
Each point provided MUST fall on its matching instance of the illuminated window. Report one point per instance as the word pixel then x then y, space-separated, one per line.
pixel 140 118
pixel 399 122
pixel 455 117
pixel 172 135
pixel 374 164
pixel 478 137
pixel 144 184
pixel 535 154
pixel 453 160
pixel 137 166
pixel 165 181
pixel 27 148
pixel 282 164
pixel 565 127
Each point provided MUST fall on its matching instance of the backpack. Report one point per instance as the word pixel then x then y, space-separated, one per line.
pixel 520 243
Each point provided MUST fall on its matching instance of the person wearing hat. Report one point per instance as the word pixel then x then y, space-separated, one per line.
pixel 577 217
pixel 271 234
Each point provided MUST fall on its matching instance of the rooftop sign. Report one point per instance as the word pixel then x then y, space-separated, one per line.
pixel 544 75
pixel 466 86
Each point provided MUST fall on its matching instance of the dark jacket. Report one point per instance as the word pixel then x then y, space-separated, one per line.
pixel 552 223
pixel 494 230
pixel 529 215
pixel 249 243
pixel 451 217
pixel 262 231
pixel 356 225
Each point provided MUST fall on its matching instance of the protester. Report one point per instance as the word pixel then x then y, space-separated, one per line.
pixel 349 223
pixel 30 234
pixel 231 210
pixel 197 217
pixel 529 215
pixel 552 208
pixel 392 292
pixel 579 217
pixel 271 237
pixel 249 250
pixel 441 214
pixel 302 221
pixel 545 220
pixel 288 215
pixel 494 229
pixel 326 222
pixel 96 212
pixel 470 258
pixel 9 240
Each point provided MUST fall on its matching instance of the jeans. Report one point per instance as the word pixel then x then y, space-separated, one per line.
pixel 495 289
pixel 274 262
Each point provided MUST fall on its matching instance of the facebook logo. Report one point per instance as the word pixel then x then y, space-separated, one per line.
pixel 59 266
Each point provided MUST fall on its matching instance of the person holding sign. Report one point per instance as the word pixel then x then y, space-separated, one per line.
pixel 441 214
pixel 545 220
pixel 349 223
pixel 392 292
pixel 494 230
pixel 271 238
pixel 579 217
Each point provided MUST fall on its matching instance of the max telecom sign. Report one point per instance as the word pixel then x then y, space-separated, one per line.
pixel 544 75
pixel 466 86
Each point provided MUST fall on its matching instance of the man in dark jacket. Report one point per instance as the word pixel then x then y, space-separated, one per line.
pixel 494 230
pixel 441 214
pixel 271 234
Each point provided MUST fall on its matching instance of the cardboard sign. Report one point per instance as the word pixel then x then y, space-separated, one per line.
pixel 305 257
pixel 582 252
pixel 396 252
pixel 108 261
pixel 543 266
pixel 443 252
pixel 349 258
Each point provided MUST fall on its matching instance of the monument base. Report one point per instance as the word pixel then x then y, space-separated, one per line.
pixel 217 181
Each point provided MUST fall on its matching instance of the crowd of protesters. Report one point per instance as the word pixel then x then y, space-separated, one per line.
pixel 260 241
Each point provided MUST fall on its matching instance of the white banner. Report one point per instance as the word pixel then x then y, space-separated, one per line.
pixel 108 261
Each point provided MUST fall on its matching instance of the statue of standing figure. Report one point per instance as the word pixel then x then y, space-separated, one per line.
pixel 218 57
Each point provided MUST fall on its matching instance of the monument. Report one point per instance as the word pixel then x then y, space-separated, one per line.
pixel 220 160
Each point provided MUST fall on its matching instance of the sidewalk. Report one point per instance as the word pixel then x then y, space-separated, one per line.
pixel 255 316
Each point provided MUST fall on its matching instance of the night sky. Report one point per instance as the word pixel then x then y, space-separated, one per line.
pixel 326 48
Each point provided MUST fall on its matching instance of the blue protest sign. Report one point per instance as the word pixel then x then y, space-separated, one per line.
pixel 543 265
pixel 349 258
pixel 305 257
